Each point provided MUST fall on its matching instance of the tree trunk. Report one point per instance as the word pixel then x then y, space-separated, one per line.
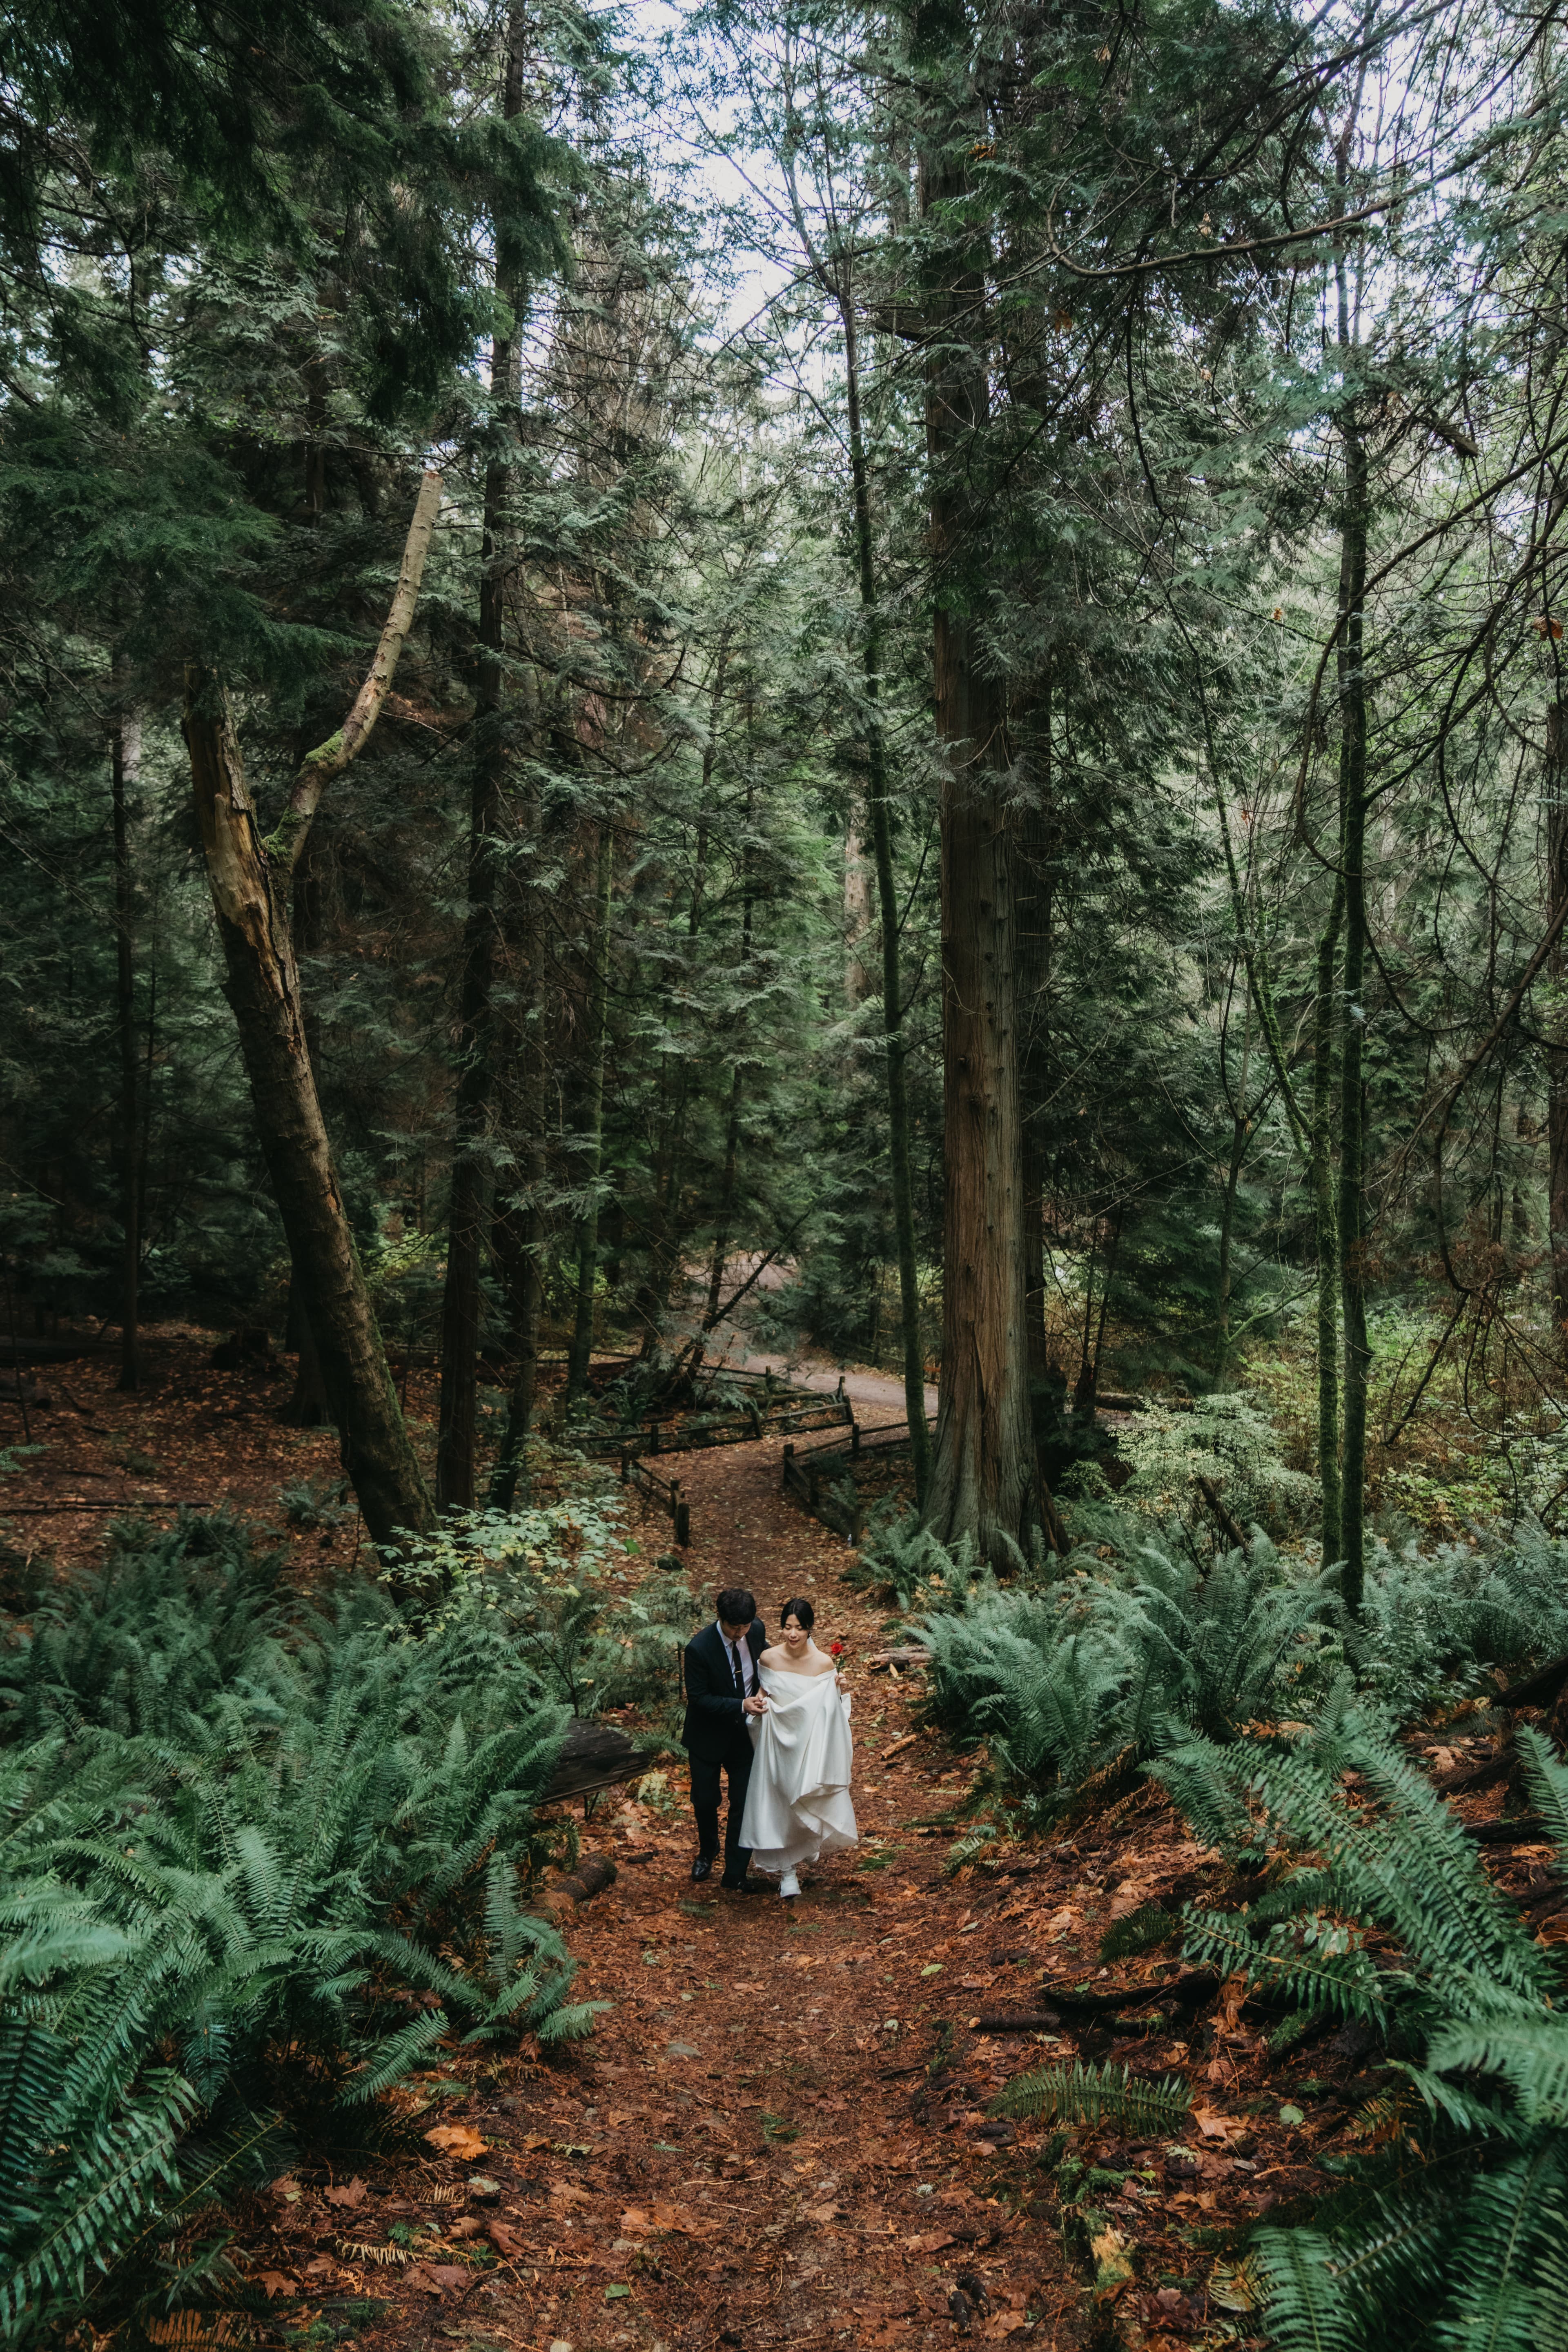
pixel 1325 1027
pixel 1557 796
pixel 651 1300
pixel 1352 1137
pixel 468 1219
pixel 526 1221
pixel 124 747
pixel 582 1349
pixel 733 1123
pixel 887 908
pixel 986 1484
pixel 249 891
pixel 1032 905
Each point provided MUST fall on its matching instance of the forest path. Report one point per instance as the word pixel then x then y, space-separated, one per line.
pixel 772 2163
pixel 882 1390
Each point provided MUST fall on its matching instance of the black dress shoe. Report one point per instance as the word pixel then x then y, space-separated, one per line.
pixel 702 1868
pixel 740 1885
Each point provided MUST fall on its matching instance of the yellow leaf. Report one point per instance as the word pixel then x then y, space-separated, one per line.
pixel 459 2140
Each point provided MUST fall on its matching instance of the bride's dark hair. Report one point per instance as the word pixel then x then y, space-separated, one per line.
pixel 801 1610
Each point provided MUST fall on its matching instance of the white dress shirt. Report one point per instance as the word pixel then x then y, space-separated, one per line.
pixel 740 1659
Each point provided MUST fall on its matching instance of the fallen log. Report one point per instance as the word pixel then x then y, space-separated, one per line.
pixel 592 1874
pixel 1193 1986
pixel 1521 1829
pixel 1033 2020
pixel 595 1755
pixel 1543 1688
pixel 906 1658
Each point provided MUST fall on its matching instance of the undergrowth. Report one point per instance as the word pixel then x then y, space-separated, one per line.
pixel 257 1861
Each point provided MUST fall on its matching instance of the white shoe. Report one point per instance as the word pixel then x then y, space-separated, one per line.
pixel 789 1887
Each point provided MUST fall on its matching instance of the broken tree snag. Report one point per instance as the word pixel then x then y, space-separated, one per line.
pixel 262 985
pixel 330 758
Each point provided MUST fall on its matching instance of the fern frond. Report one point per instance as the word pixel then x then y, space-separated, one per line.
pixel 572 2024
pixel 1092 2094
pixel 394 2058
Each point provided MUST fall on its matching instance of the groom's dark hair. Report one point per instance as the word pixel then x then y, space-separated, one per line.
pixel 735 1605
pixel 801 1611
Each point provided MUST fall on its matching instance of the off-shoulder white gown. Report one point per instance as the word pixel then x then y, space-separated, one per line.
pixel 797 1802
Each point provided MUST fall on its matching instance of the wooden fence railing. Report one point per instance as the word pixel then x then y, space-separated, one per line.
pixel 665 1492
pixel 809 1473
pixel 782 1416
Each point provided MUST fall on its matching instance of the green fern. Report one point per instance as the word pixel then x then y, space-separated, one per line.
pixel 1149 1925
pixel 245 1843
pixel 1453 2237
pixel 1096 2094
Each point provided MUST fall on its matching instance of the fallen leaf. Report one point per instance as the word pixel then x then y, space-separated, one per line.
pixel 469 2226
pixel 1005 2322
pixel 635 2218
pixel 319 2264
pixel 451 2274
pixel 1214 2125
pixel 822 2214
pixel 418 2275
pixel 1291 2113
pixel 505 2239
pixel 931 2242
pixel 1233 1992
pixel 568 2192
pixel 273 2283
pixel 352 2191
pixel 458 2139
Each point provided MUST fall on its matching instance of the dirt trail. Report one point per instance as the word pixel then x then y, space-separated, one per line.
pixel 776 2136
pixel 750 2151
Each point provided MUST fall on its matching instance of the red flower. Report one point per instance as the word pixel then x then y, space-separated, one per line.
pixel 835 1648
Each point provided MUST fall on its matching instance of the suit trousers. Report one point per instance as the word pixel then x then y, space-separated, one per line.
pixel 736 1764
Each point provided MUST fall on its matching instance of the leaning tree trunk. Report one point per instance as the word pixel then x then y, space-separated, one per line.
pixel 263 987
pixel 249 878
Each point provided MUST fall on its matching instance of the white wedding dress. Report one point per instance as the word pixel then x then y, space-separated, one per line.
pixel 797 1802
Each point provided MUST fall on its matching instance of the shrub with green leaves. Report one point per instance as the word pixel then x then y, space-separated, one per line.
pixel 254 1865
pixel 556 1581
pixel 1451 2233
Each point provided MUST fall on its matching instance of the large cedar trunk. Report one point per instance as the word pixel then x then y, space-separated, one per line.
pixel 985 1484
pixel 249 894
pixel 984 1481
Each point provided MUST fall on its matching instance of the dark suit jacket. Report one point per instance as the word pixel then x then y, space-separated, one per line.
pixel 715 1722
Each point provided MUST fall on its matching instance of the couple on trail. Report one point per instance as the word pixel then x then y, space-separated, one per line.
pixel 777 1723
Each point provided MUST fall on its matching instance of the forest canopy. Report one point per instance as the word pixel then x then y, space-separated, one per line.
pixel 895 674
pixel 756 682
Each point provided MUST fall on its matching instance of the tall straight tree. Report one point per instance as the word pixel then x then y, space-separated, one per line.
pixel 985 1482
pixel 470 1207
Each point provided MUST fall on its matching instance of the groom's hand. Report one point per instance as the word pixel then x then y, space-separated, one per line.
pixel 757 1705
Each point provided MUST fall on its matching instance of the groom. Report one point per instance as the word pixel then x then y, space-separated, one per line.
pixel 722 1691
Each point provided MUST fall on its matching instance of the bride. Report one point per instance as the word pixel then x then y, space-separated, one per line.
pixel 797 1801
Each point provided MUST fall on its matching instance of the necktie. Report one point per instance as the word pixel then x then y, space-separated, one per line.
pixel 739 1677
